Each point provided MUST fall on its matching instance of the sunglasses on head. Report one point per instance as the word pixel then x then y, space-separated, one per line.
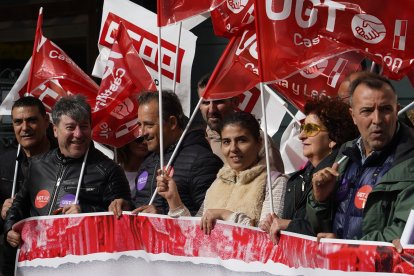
pixel 139 140
pixel 311 130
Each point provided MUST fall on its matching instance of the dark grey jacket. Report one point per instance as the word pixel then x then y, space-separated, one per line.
pixel 194 169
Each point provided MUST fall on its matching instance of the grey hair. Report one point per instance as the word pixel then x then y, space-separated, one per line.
pixel 75 107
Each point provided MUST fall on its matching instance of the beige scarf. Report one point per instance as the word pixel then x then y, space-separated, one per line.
pixel 238 193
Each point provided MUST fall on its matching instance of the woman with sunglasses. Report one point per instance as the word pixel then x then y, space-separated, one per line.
pixel 130 157
pixel 327 125
pixel 239 194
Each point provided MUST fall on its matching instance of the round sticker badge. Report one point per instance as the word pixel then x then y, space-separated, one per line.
pixel 42 199
pixel 67 199
pixel 362 196
pixel 142 180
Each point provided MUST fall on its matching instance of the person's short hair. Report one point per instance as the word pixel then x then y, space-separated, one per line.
pixel 30 101
pixel 171 105
pixel 244 120
pixel 372 80
pixel 75 107
pixel 202 83
pixel 335 116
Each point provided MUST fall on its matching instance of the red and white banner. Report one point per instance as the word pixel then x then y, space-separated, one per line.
pixel 116 104
pixel 232 17
pixel 173 11
pixel 144 33
pixel 101 244
pixel 299 32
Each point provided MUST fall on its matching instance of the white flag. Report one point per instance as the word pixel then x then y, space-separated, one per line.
pixel 17 90
pixel 291 147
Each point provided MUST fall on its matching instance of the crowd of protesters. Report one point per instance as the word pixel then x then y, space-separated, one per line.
pixel 358 182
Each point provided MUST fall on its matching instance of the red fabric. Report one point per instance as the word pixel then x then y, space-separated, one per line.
pixel 321 79
pixel 172 11
pixel 58 237
pixel 236 71
pixel 53 74
pixel 232 17
pixel 116 106
pixel 292 34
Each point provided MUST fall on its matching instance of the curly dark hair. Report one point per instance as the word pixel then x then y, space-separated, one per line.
pixel 334 115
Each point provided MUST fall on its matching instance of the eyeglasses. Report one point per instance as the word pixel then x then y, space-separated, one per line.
pixel 311 130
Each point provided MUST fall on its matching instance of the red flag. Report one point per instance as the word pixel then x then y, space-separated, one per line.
pixel 320 79
pixel 53 74
pixel 172 11
pixel 292 34
pixel 236 71
pixel 115 111
pixel 232 17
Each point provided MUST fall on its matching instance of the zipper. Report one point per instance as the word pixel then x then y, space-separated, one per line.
pixel 354 187
pixel 56 189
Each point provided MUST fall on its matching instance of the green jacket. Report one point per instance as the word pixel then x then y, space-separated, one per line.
pixel 390 202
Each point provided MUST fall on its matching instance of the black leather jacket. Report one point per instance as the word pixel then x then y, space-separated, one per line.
pixel 52 180
pixel 8 161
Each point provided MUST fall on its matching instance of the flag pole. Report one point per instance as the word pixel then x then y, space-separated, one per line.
pixel 29 83
pixel 175 152
pixel 81 175
pixel 16 168
pixel 282 102
pixel 35 45
pixel 160 102
pixel 177 51
pixel 260 67
pixel 406 108
pixel 269 179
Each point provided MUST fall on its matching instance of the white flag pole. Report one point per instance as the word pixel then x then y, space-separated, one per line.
pixel 159 111
pixel 85 158
pixel 177 51
pixel 175 152
pixel 408 107
pixel 16 168
pixel 269 183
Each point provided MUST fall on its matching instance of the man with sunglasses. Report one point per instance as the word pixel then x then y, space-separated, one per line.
pixel 214 111
pixel 370 194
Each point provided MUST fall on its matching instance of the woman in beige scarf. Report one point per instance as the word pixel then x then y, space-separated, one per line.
pixel 239 194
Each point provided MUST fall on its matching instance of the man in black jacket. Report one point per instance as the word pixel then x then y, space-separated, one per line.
pixel 30 124
pixel 52 179
pixel 193 169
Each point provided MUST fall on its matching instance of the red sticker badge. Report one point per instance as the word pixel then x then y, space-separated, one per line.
pixel 42 199
pixel 361 196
